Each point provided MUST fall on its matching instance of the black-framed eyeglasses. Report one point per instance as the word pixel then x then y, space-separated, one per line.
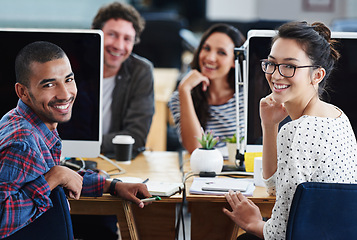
pixel 285 70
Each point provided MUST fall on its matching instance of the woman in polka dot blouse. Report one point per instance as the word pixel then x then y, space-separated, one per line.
pixel 318 145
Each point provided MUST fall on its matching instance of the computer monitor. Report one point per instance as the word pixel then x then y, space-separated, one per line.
pixel 82 135
pixel 340 92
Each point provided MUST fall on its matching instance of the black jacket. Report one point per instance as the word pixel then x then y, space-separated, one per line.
pixel 132 105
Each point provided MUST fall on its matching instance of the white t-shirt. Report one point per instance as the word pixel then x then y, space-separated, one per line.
pixel 108 87
pixel 310 149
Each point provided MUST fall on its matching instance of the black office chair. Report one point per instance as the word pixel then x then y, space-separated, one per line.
pixel 161 41
pixel 323 211
pixel 54 224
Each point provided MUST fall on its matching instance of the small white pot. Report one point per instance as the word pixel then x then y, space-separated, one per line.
pixel 206 160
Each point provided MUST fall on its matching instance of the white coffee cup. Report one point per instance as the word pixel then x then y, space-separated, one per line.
pixel 258 168
pixel 123 147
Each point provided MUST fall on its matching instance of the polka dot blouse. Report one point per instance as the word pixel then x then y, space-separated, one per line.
pixel 310 149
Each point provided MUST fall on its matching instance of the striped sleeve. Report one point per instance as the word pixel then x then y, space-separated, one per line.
pixel 174 105
pixel 223 119
pixel 93 183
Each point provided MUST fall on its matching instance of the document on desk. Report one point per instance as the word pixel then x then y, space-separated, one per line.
pixel 220 186
pixel 163 189
pixel 157 188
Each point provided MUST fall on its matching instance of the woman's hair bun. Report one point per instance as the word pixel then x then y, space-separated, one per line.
pixel 322 30
pixel 325 32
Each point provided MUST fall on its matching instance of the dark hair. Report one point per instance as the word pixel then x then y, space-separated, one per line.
pixel 117 10
pixel 41 52
pixel 199 97
pixel 315 39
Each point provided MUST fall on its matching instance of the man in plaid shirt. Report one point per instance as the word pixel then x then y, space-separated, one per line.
pixel 30 147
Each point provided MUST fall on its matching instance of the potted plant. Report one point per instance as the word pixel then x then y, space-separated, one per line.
pixel 232 148
pixel 207 158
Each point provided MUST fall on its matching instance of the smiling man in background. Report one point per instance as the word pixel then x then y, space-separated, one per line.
pixel 128 93
pixel 128 98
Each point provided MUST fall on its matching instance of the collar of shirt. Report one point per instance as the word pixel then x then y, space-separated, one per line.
pixel 125 70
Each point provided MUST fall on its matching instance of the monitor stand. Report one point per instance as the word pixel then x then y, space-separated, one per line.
pixel 237 167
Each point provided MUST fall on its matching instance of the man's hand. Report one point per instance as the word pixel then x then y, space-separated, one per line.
pixel 67 178
pixel 132 192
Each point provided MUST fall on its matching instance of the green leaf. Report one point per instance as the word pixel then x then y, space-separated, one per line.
pixel 234 138
pixel 207 140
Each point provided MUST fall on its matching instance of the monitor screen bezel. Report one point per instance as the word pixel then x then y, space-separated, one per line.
pixel 270 34
pixel 76 148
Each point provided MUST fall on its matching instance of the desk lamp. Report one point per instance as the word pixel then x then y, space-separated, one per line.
pixel 240 82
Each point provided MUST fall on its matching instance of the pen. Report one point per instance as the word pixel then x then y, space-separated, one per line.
pixel 151 199
pixel 146 180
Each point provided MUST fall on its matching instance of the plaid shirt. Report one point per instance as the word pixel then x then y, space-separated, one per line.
pixel 28 150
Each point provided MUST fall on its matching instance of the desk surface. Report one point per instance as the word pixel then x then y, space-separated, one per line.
pixel 207 218
pixel 165 80
pixel 260 194
pixel 155 221
pixel 157 166
pixel 164 166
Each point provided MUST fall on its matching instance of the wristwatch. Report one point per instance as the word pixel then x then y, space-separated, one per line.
pixel 112 186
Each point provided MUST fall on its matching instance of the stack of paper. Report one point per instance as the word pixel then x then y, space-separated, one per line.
pixel 156 188
pixel 163 189
pixel 220 186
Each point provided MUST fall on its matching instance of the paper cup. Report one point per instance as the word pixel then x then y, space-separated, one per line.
pixel 123 147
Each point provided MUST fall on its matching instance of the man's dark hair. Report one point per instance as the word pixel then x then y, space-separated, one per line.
pixel 117 10
pixel 41 52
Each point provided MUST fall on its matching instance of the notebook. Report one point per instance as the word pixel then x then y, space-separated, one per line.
pixel 220 186
pixel 156 188
pixel 163 189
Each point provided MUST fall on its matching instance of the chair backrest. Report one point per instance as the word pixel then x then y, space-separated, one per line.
pixel 160 42
pixel 323 211
pixel 54 224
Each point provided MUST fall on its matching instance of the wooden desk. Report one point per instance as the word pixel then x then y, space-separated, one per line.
pixel 207 218
pixel 165 80
pixel 155 221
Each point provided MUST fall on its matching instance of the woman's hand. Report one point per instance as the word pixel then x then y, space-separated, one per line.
pixel 190 124
pixel 192 79
pixel 244 213
pixel 271 112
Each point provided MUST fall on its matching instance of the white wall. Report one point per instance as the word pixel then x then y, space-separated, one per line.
pixel 293 10
pixel 244 10
pixel 49 13
pixel 351 9
pixel 231 10
pixel 79 13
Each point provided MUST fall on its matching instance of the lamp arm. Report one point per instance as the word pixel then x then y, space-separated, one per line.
pixel 240 82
